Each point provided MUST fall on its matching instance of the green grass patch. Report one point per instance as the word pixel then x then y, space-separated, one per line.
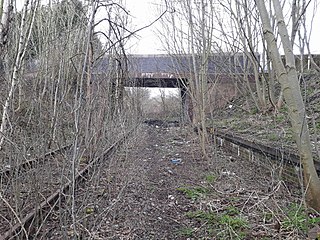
pixel 185 232
pixel 268 216
pixel 273 137
pixel 227 225
pixel 280 118
pixel 233 222
pixel 297 219
pixel 203 216
pixel 284 109
pixel 232 211
pixel 210 178
pixel 254 111
pixel 314 221
pixel 193 193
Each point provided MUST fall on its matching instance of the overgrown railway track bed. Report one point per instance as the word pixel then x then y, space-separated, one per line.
pixel 280 155
pixel 26 192
pixel 31 192
pixel 9 171
pixel 143 194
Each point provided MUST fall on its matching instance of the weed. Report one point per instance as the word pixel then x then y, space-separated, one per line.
pixel 273 137
pixel 235 223
pixel 193 193
pixel 283 109
pixel 210 178
pixel 268 216
pixel 231 227
pixel 232 211
pixel 280 118
pixel 314 221
pixel 296 218
pixel 202 216
pixel 234 199
pixel 225 122
pixel 240 125
pixel 254 111
pixel 89 210
pixel 186 232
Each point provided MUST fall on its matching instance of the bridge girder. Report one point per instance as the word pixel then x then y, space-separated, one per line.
pixel 156 82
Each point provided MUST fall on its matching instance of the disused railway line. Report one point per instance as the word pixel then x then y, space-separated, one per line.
pixel 274 153
pixel 25 225
pixel 8 172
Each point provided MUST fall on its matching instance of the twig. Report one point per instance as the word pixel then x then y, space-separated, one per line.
pixel 15 214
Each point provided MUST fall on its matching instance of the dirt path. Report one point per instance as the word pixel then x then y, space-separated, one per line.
pixel 151 207
pixel 142 193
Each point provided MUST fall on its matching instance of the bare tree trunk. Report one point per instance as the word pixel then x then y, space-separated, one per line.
pixel 5 19
pixel 307 42
pixel 259 87
pixel 271 79
pixel 163 101
pixel 291 90
pixel 5 12
pixel 198 85
pixel 21 49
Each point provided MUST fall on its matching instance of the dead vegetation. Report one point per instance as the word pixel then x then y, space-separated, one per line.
pixel 142 193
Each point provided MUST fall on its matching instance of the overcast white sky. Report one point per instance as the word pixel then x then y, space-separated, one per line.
pixel 144 11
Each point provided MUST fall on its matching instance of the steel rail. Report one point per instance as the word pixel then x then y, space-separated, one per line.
pixel 50 202
pixel 273 152
pixel 28 164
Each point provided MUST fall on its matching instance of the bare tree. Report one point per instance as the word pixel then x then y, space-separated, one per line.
pixel 6 7
pixel 288 78
pixel 192 27
pixel 305 37
pixel 58 90
pixel 25 31
pixel 243 36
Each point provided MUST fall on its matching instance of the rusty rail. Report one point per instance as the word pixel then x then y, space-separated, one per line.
pixel 28 164
pixel 50 202
pixel 273 152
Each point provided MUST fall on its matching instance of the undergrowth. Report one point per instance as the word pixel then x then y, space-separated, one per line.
pixel 194 193
pixel 297 219
pixel 228 224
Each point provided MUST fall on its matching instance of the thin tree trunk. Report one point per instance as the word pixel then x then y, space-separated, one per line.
pixel 5 10
pixel 291 90
pixel 21 49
